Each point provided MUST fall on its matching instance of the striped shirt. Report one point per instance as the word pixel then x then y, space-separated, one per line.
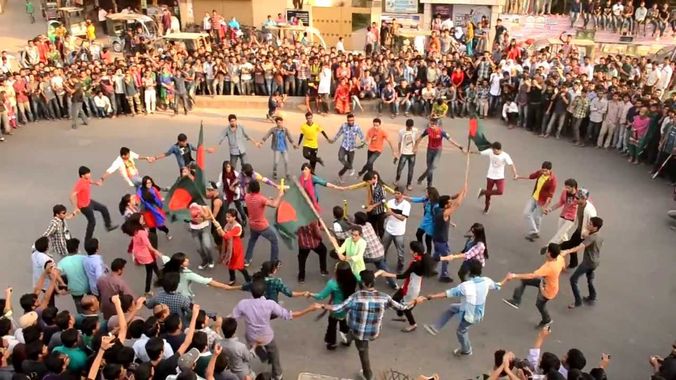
pixel 350 134
pixel 473 293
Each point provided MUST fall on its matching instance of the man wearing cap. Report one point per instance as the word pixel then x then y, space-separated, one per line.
pixel 585 211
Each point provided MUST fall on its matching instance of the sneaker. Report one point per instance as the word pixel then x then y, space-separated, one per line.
pixel 542 325
pixel 589 300
pixel 211 265
pixel 2 139
pixel 431 330
pixel 331 347
pixel 301 280
pixel 481 193
pixel 409 187
pixel 361 374
pixel 458 352
pixel 169 237
pixel 352 173
pixel 324 273
pixel 445 279
pixel 111 228
pixel 486 212
pixel 201 266
pixel 511 302
pixel 246 264
pixel 343 338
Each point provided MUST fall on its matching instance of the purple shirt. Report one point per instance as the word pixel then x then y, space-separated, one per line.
pixel 257 313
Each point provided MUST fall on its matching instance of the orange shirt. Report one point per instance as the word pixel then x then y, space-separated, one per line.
pixel 83 190
pixel 376 137
pixel 550 272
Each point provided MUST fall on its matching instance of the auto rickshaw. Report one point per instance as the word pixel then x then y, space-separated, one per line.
pixel 191 41
pixel 72 18
pixel 49 9
pixel 117 25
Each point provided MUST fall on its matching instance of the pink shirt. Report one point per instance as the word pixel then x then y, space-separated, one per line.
pixel 569 204
pixel 140 248
pixel 255 204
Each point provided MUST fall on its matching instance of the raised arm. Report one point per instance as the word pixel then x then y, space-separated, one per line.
pixel 191 330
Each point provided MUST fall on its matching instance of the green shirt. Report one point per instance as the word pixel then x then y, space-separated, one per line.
pixel 78 358
pixel 354 251
pixel 71 266
pixel 332 289
pixel 29 7
pixel 187 278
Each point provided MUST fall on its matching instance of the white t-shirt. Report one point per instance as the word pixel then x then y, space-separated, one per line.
pixel 407 140
pixel 394 226
pixel 496 168
pixel 39 259
pixel 127 168
pixel 495 84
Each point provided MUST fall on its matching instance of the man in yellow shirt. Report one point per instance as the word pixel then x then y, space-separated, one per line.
pixel 545 278
pixel 310 132
pixel 91 31
pixel 543 192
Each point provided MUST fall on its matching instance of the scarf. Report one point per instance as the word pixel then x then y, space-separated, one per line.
pixel 154 206
pixel 404 287
pixel 227 246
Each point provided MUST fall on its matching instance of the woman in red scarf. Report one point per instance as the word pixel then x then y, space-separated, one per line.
pixel 422 265
pixel 231 191
pixel 232 254
pixel 342 98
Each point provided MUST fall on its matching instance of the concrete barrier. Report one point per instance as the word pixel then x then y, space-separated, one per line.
pixel 292 103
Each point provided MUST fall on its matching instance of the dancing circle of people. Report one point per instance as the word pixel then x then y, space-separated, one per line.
pixel 217 223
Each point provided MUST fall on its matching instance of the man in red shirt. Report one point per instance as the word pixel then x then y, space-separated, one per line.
pixel 435 136
pixel 23 105
pixel 258 224
pixel 543 192
pixel 83 203
pixel 375 137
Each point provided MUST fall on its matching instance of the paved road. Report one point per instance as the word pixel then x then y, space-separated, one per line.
pixel 631 321
pixel 39 166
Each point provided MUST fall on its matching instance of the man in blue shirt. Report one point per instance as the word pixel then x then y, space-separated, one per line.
pixel 182 150
pixel 471 307
pixel 350 131
pixel 236 136
pixel 93 264
pixel 280 135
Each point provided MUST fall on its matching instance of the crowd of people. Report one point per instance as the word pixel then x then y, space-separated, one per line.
pixel 619 103
pixel 616 101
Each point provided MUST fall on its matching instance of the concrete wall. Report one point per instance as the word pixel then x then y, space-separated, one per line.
pixel 241 9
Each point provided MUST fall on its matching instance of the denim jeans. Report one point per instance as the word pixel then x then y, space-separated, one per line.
pixel 88 212
pixel 442 248
pixel 540 303
pixel 371 158
pixel 433 156
pixel 523 113
pixel 558 119
pixel 403 160
pixel 398 245
pixel 275 160
pixel 237 157
pixel 202 238
pixel 463 328
pixel 346 158
pixel 533 214
pixel 380 263
pixel 588 270
pixel 406 104
pixel 268 234
pixel 77 112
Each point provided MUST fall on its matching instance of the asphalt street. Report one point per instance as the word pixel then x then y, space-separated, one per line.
pixel 636 296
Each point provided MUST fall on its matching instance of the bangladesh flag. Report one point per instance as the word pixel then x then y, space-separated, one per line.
pixel 476 134
pixel 187 190
pixel 294 211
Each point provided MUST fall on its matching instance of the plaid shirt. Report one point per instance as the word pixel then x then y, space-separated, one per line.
pixel 476 252
pixel 350 134
pixel 176 302
pixel 365 310
pixel 374 247
pixel 58 233
pixel 580 107
pixel 484 70
pixel 309 237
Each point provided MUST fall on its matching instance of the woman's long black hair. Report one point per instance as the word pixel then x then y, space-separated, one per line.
pixel 122 206
pixel 174 265
pixel 132 224
pixel 145 192
pixel 480 236
pixel 345 279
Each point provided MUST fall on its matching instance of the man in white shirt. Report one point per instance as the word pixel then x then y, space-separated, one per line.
pixel 397 211
pixel 447 24
pixel 496 173
pixel 39 258
pixel 124 163
pixel 407 138
pixel 340 47
pixel 103 106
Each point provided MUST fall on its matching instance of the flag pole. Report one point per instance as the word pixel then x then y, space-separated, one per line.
pixel 309 202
